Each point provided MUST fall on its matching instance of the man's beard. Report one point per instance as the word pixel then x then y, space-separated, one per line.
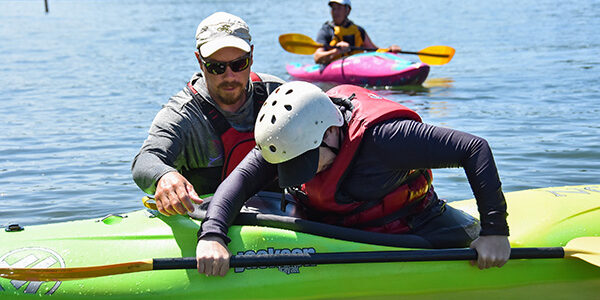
pixel 227 97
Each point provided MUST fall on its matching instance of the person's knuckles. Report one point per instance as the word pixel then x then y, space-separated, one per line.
pixel 200 267
pixel 176 206
pixel 187 205
pixel 217 268
pixel 163 211
pixel 180 209
pixel 207 271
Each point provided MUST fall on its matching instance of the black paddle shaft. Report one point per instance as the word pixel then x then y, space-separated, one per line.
pixel 267 260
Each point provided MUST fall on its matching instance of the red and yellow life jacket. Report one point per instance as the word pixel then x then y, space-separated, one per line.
pixel 381 215
pixel 348 34
pixel 236 144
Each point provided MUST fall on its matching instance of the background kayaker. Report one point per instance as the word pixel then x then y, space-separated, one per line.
pixel 378 180
pixel 340 34
pixel 183 155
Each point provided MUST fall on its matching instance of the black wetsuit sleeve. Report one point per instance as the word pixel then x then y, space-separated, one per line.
pixel 249 177
pixel 408 144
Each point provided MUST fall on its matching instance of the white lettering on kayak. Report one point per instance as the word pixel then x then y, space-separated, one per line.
pixel 584 190
pixel 270 251
pixel 32 258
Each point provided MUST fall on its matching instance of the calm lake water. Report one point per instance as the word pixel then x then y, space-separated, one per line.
pixel 80 86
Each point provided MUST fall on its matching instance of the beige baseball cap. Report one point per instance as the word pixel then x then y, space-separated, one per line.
pixel 221 30
pixel 342 2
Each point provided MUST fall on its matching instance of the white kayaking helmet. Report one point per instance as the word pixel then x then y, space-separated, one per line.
pixel 291 123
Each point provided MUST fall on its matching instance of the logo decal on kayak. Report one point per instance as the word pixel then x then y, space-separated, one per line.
pixel 31 258
pixel 285 269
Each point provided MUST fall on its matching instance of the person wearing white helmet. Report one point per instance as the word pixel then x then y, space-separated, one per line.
pixel 290 130
pixel 362 162
pixel 193 142
pixel 340 34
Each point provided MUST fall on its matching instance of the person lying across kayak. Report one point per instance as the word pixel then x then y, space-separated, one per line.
pixel 340 34
pixel 362 163
pixel 194 140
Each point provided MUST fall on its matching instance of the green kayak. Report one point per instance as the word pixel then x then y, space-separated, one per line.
pixel 548 217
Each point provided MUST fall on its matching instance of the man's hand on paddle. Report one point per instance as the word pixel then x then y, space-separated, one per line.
pixel 174 195
pixel 343 47
pixel 492 251
pixel 394 48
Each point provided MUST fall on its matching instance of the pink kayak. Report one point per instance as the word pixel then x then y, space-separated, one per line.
pixel 371 68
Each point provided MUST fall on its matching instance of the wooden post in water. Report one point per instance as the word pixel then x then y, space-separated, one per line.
pixel 46 4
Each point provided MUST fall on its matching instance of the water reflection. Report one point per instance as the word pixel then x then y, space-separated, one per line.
pixel 444 82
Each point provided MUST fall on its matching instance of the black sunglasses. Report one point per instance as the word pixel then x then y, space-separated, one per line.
pixel 219 67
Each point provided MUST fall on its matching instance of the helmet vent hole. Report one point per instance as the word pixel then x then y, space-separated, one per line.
pixel 273 148
pixel 261 118
pixel 289 92
pixel 277 90
pixel 273 120
pixel 274 103
pixel 288 107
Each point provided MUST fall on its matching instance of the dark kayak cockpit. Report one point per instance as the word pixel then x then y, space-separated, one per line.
pixel 264 209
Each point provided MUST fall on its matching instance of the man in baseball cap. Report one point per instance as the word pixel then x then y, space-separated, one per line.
pixel 206 129
pixel 340 35
pixel 221 30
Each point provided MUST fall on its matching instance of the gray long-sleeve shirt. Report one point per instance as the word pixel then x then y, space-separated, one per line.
pixel 181 137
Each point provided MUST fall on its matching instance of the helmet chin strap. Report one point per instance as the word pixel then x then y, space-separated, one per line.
pixel 333 149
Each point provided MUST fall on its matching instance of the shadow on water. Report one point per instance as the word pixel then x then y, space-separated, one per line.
pixel 430 87
pixel 410 90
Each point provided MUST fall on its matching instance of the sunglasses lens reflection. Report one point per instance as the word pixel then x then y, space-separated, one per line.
pixel 238 65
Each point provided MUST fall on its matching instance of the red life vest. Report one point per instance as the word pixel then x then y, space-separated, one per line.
pixel 381 215
pixel 236 144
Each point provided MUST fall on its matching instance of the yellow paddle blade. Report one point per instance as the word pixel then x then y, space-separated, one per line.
pixel 62 274
pixel 436 55
pixel 585 248
pixel 298 43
